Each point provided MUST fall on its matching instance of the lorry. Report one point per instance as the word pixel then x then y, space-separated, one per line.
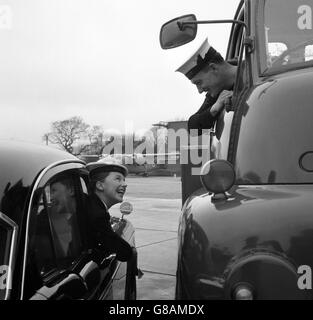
pixel 246 225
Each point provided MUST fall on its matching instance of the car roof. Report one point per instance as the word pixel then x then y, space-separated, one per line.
pixel 20 164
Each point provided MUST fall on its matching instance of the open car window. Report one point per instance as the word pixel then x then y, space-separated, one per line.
pixel 55 234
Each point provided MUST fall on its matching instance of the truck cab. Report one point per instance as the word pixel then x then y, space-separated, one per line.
pixel 246 227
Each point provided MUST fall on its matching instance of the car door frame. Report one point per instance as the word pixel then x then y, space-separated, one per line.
pixel 46 174
pixel 236 48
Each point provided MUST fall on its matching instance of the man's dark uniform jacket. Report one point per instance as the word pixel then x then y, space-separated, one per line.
pixel 100 231
pixel 203 119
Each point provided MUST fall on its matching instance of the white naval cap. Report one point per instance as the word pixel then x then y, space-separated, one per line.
pixel 204 55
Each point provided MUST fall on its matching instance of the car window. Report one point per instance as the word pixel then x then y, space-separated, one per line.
pixel 236 55
pixel 235 40
pixel 56 236
pixel 5 241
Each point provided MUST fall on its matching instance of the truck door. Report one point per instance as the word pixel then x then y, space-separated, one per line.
pixel 219 138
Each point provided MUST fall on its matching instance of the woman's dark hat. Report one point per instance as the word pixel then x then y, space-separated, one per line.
pixel 97 167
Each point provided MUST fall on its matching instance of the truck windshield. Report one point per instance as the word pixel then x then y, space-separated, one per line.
pixel 286 35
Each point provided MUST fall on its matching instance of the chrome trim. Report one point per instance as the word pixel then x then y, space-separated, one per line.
pixel 118 264
pixel 110 283
pixel 212 283
pixel 12 255
pixel 41 175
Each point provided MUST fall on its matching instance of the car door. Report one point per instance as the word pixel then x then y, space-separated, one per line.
pixel 59 264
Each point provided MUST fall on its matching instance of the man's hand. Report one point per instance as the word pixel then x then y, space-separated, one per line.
pixel 222 99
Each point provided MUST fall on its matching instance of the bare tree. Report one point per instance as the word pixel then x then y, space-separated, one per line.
pixel 66 132
pixel 98 139
pixel 95 135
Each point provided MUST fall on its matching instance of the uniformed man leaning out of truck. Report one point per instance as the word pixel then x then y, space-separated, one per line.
pixel 207 69
pixel 108 187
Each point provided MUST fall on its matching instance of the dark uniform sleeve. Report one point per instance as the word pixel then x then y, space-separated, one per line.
pixel 102 236
pixel 109 241
pixel 203 119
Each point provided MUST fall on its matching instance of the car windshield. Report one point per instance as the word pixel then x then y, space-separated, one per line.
pixel 286 35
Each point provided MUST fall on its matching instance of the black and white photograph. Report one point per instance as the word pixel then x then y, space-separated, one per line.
pixel 156 155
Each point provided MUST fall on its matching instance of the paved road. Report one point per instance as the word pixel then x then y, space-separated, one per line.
pixel 157 204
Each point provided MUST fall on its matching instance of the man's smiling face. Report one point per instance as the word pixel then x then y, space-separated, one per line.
pixel 208 80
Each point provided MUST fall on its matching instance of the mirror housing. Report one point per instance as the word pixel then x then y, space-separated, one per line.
pixel 174 34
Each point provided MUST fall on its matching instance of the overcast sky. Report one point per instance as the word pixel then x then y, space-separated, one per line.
pixel 97 59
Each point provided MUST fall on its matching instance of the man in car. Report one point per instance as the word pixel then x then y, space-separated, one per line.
pixel 108 187
pixel 59 216
pixel 207 70
pixel 63 216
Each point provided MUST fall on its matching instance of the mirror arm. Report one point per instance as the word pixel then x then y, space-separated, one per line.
pixel 181 25
pixel 249 42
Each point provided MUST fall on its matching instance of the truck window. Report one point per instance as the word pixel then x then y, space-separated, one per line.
pixel 286 35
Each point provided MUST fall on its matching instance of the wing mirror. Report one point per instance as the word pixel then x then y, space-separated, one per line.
pixel 182 30
pixel 174 33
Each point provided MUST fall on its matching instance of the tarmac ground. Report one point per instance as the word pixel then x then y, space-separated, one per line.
pixel 157 203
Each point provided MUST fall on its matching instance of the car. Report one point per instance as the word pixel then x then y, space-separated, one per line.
pixel 246 227
pixel 44 255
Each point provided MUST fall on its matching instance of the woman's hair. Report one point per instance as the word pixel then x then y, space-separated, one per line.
pixel 97 177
